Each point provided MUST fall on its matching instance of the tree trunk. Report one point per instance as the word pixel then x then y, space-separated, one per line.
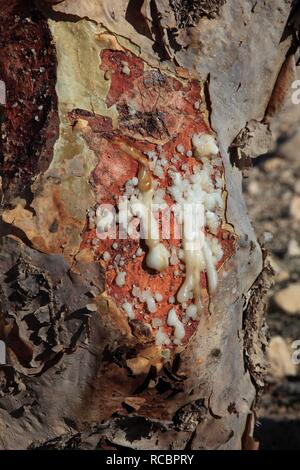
pixel 90 88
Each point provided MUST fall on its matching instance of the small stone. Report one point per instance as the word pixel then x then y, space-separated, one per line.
pixel 282 276
pixel 288 299
pixel 254 188
pixel 295 207
pixel 268 237
pixel 280 358
pixel 293 248
pixel 297 187
pixel 273 164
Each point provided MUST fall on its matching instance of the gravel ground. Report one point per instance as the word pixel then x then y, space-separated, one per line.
pixel 272 191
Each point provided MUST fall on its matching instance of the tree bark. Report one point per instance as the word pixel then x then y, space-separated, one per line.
pixel 83 79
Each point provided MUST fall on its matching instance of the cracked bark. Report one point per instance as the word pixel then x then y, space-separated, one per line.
pixel 67 382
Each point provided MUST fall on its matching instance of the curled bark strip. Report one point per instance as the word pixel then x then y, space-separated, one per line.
pixel 44 303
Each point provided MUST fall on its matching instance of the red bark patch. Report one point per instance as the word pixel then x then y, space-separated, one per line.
pixel 115 61
pixel 150 104
pixel 153 109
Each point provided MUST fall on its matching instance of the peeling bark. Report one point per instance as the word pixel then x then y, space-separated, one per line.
pixel 79 373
